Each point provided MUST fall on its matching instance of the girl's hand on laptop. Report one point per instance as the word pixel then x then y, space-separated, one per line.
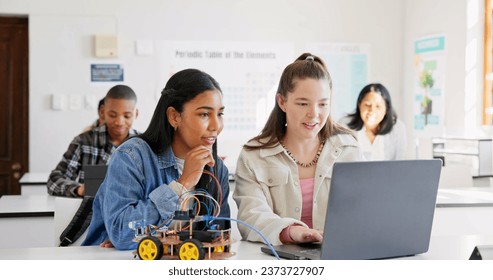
pixel 301 234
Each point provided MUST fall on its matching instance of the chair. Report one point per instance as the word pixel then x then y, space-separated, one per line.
pixel 65 209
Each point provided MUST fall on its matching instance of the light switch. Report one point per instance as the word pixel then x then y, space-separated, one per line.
pixel 75 102
pixel 58 102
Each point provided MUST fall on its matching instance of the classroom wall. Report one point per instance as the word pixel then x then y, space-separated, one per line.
pixel 61 49
pixel 60 36
pixel 461 22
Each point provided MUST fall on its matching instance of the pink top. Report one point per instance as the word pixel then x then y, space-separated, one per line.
pixel 306 208
pixel 307 200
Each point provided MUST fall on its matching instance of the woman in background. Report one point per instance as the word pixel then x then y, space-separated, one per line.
pixel 283 175
pixel 381 135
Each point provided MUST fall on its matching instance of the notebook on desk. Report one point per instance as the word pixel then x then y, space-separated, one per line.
pixel 376 210
pixel 93 177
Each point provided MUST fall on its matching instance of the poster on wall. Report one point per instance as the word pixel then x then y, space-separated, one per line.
pixel 107 72
pixel 348 66
pixel 429 81
pixel 247 72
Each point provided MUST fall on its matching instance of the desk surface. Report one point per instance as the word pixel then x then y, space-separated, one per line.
pixel 465 197
pixel 26 206
pixel 34 178
pixel 452 247
pixel 243 251
pixel 450 217
pixel 441 248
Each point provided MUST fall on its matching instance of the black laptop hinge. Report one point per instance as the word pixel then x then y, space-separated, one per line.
pixel 79 222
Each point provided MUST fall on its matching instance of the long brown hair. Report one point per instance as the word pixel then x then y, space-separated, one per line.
pixel 304 67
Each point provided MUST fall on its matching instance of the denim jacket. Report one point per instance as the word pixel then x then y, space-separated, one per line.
pixel 139 185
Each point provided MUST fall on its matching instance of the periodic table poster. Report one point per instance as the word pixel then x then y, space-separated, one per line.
pixel 248 74
pixel 348 65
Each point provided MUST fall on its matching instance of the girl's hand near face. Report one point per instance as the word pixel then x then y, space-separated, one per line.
pixel 195 160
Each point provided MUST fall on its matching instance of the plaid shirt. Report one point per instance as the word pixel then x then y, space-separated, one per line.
pixel 89 148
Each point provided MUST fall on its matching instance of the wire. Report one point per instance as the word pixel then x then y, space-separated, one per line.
pixel 218 184
pixel 209 202
pixel 218 205
pixel 185 203
pixel 252 228
pixel 220 190
pixel 166 222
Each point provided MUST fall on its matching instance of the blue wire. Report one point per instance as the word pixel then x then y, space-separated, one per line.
pixel 208 213
pixel 252 228
pixel 206 206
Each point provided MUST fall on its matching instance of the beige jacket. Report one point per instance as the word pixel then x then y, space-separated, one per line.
pixel 267 187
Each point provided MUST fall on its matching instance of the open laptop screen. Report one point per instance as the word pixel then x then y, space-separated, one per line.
pixel 377 209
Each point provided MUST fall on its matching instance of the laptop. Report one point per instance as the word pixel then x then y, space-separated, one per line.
pixel 93 177
pixel 376 210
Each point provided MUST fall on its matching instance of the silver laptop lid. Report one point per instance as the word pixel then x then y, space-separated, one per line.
pixel 380 209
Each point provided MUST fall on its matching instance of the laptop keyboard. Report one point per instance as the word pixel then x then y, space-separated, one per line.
pixel 314 252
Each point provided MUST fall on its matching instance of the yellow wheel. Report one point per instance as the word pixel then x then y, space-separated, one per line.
pixel 218 249
pixel 191 249
pixel 150 248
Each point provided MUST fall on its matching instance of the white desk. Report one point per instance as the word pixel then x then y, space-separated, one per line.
pixel 457 247
pixel 465 197
pixel 27 206
pixel 464 211
pixel 34 183
pixel 244 251
pixel 462 221
pixel 26 221
pixel 441 248
pixel 34 178
pixel 30 220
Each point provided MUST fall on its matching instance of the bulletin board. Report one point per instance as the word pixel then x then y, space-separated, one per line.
pixel 429 83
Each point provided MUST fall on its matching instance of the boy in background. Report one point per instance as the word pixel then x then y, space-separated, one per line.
pixel 94 147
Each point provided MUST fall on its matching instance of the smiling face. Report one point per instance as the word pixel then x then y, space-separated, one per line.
pixel 372 110
pixel 119 115
pixel 307 108
pixel 199 124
